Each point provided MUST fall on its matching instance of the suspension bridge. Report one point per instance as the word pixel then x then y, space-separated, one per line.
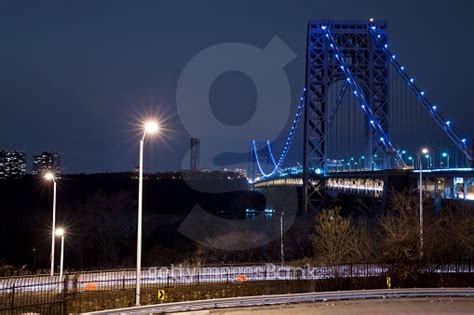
pixel 364 119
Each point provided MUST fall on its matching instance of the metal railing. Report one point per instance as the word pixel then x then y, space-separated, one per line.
pixel 45 294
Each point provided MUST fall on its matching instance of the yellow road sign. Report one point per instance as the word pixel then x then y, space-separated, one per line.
pixel 161 295
pixel 389 282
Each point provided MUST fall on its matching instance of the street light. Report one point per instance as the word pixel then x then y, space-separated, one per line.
pixel 428 161
pixel 424 151
pixel 150 127
pixel 446 155
pixel 402 153
pixel 362 162
pixel 60 233
pixel 282 252
pixel 374 162
pixel 49 176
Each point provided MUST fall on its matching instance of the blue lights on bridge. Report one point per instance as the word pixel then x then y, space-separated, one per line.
pixel 400 157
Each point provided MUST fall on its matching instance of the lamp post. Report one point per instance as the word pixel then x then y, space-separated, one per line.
pixel 428 161
pixel 446 155
pixel 150 127
pixel 402 153
pixel 410 158
pixel 362 162
pixel 282 252
pixel 424 151
pixel 60 233
pixel 50 177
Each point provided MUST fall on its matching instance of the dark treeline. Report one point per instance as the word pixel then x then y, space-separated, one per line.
pixel 99 212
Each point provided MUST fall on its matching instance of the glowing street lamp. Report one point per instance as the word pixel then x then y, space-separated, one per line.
pixel 49 176
pixel 428 161
pixel 412 160
pixel 424 152
pixel 446 155
pixel 151 127
pixel 60 233
pixel 362 162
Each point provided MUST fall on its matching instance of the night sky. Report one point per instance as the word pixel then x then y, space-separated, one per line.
pixel 77 76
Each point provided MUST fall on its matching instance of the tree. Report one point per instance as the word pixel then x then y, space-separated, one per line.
pixel 452 235
pixel 400 235
pixel 105 220
pixel 337 240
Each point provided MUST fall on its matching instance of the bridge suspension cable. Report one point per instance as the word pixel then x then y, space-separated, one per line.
pixel 432 110
pixel 358 92
pixel 277 165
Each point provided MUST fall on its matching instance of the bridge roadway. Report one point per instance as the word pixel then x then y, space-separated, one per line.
pixel 453 183
pixel 312 297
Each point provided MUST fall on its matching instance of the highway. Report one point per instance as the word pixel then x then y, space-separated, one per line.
pixel 166 276
pixel 265 300
pixel 175 275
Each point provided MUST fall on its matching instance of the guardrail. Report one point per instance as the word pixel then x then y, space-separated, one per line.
pixel 291 298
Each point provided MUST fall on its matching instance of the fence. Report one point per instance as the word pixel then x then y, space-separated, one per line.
pixel 45 294
pixel 39 294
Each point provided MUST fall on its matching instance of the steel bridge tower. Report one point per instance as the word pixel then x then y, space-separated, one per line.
pixel 369 66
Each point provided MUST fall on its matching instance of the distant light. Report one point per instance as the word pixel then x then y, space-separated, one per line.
pixel 427 156
pixel 410 158
pixel 304 89
pixel 434 107
pixel 323 27
pixel 402 68
pixel 422 93
pixel 463 140
pixel 336 55
pixel 352 159
pixel 448 123
pixel 373 27
pixel 378 36
pixel 363 106
pixel 381 139
pixel 424 151
pixel 393 56
pixel 444 154
pixel 371 19
pixel 372 122
pixel 412 80
pixel 386 46
pixel 404 151
pixel 301 98
pixel 342 67
pixel 375 155
pixel 362 157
